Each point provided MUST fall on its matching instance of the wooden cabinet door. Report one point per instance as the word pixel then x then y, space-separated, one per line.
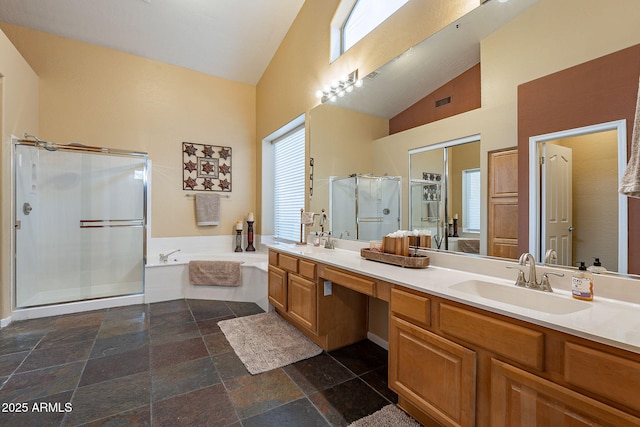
pixel 436 375
pixel 302 299
pixel 519 398
pixel 278 288
pixel 503 203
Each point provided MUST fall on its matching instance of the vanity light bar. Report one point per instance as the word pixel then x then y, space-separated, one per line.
pixel 339 88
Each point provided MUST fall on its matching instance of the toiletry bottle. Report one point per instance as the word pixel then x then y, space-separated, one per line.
pixel 597 267
pixel 582 284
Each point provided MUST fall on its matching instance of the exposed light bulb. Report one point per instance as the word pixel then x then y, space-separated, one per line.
pixel 349 89
pixel 359 83
pixel 319 93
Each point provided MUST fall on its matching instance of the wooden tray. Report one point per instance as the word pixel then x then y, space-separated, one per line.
pixel 402 261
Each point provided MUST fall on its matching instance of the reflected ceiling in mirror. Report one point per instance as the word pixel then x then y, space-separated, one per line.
pixel 430 64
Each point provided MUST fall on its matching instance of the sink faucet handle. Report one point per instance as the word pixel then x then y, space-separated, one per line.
pixel 520 280
pixel 544 283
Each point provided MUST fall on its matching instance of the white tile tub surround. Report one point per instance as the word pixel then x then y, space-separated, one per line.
pixel 169 280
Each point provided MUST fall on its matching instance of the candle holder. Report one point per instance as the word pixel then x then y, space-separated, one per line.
pixel 238 241
pixel 455 227
pixel 250 247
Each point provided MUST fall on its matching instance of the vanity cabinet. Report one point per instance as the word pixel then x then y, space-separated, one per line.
pixel 455 365
pixel 331 316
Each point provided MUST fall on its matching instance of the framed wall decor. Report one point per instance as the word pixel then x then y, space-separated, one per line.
pixel 206 167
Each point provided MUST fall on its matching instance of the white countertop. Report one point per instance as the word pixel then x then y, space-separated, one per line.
pixel 605 320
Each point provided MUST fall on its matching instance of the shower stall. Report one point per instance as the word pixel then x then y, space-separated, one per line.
pixel 364 207
pixel 80 222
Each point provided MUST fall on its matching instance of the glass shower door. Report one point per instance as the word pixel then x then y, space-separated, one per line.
pixel 80 225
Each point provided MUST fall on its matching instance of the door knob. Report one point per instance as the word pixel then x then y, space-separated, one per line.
pixel 571 228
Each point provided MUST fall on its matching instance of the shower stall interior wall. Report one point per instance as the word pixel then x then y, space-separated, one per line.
pixel 364 207
pixel 80 224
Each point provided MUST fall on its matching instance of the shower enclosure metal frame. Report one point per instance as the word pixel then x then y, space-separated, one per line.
pixel 90 223
pixel 357 217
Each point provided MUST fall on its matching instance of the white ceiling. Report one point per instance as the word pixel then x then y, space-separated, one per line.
pixel 232 39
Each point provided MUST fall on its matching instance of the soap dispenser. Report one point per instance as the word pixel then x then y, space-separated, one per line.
pixel 597 267
pixel 582 284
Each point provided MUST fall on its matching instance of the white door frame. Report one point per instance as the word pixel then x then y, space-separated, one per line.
pixel 534 188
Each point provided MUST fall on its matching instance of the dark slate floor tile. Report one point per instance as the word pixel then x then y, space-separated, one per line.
pixel 348 402
pixel 241 309
pixel 177 352
pixel 115 366
pixel 87 319
pixel 57 356
pixel 168 307
pixel 206 309
pixel 68 336
pixel 210 326
pixel 49 411
pixel 138 417
pixel 317 373
pixel 170 319
pixel 297 413
pixel 361 357
pixel 40 383
pixel 254 394
pixel 209 407
pixel 183 378
pixel 115 344
pixel 171 333
pixel 111 328
pixel 379 380
pixel 10 362
pixel 229 366
pixel 129 312
pixel 217 344
pixel 15 342
pixel 109 398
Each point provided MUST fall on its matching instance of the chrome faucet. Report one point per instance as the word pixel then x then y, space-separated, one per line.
pixel 532 282
pixel 328 243
pixel 165 257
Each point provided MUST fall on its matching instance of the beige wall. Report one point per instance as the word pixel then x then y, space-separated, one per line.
pixel 18 114
pixel 103 97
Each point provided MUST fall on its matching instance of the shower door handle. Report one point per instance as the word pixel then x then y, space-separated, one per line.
pixel 26 208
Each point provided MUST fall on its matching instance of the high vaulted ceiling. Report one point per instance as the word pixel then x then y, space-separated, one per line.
pixel 232 39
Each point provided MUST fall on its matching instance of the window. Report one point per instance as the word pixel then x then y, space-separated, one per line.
pixel 364 17
pixel 471 200
pixel 289 183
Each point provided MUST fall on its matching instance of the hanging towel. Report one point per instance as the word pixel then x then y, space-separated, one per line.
pixel 215 273
pixel 207 209
pixel 630 183
pixel 308 218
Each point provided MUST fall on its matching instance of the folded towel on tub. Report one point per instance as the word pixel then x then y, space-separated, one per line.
pixel 215 273
pixel 207 209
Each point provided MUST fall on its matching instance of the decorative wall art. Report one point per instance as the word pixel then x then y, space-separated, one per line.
pixel 206 167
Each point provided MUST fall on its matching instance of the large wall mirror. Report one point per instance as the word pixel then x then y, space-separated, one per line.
pixel 344 135
pixel 575 209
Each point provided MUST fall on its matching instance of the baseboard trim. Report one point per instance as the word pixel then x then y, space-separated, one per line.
pixel 377 340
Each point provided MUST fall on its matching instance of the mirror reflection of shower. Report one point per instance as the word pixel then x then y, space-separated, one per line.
pixel 364 207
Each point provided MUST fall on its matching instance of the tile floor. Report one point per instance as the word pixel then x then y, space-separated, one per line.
pixel 168 364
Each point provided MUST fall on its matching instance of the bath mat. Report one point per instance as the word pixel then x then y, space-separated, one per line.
pixel 389 416
pixel 266 341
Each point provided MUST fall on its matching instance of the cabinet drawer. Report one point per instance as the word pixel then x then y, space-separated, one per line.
pixel 307 269
pixel 522 345
pixel 349 281
pixel 605 374
pixel 412 307
pixel 273 258
pixel 288 263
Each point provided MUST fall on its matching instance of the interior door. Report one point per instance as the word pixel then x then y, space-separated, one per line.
pixel 557 206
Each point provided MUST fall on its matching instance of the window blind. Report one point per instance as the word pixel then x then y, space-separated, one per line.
pixel 471 200
pixel 289 182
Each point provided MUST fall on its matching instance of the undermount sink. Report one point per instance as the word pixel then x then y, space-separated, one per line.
pixel 521 297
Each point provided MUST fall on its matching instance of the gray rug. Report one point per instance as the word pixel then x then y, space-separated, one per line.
pixel 266 341
pixel 389 416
